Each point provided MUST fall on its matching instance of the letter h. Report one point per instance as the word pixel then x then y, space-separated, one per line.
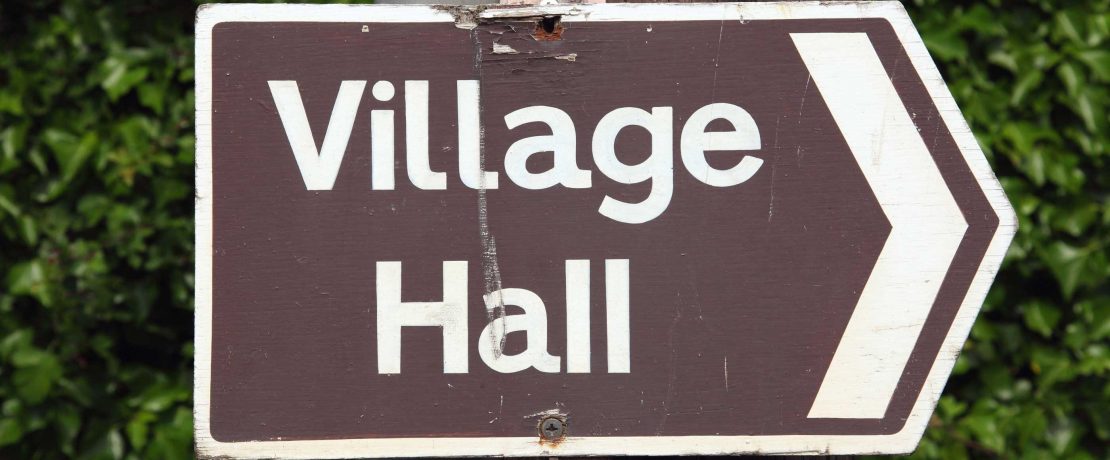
pixel 450 314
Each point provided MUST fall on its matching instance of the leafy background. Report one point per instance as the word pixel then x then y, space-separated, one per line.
pixel 96 228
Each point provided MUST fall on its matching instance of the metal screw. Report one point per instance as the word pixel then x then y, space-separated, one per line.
pixel 552 428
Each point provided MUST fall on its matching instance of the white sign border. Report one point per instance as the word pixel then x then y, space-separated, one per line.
pixel 903 441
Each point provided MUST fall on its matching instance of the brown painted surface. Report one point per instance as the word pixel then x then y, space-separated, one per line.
pixel 764 274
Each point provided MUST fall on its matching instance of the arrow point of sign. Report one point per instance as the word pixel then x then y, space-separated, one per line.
pixel 926 225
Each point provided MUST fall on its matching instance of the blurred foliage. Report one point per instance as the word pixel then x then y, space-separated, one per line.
pixel 96 228
pixel 1033 80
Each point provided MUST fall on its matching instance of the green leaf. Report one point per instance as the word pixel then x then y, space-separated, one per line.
pixel 10 431
pixel 1084 107
pixel 172 441
pixel 15 341
pixel 1025 84
pixel 153 97
pixel 1094 360
pixel 1051 367
pixel 28 230
pixel 171 191
pixel 1062 435
pixel 1095 314
pixel 29 278
pixel 1031 423
pixel 68 422
pixel 1076 220
pixel 120 77
pixel 35 374
pixel 986 430
pixel 13 140
pixel 1004 59
pixel 138 429
pixel 70 151
pixel 11 102
pixel 981 20
pixel 947 46
pixel 1067 265
pixel 108 447
pixel 1098 61
pixel 950 408
pixel 161 398
pixel 1041 317
pixel 1067 22
pixel 1071 77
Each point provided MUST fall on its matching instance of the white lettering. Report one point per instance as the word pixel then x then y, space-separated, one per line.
pixel 318 169
pixel 658 167
pixel 695 142
pixel 470 149
pixel 578 316
pixel 533 322
pixel 450 314
pixel 381 140
pixel 416 138
pixel 561 143
pixel 616 315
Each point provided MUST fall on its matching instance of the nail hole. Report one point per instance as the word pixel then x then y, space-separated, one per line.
pixel 548 23
pixel 548 28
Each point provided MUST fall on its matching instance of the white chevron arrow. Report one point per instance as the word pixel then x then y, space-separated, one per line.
pixel 927 226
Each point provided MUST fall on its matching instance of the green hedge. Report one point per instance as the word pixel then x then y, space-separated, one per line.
pixel 96 228
pixel 1032 79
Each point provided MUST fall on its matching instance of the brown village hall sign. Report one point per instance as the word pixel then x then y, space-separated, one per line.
pixel 579 230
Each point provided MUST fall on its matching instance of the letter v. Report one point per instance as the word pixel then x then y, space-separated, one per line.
pixel 318 169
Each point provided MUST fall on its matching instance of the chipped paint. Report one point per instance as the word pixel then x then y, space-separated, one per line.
pixel 548 28
pixel 466 16
pixel 556 412
pixel 503 49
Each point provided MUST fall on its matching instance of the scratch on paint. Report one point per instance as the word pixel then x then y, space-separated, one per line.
pixel 717 58
pixel 491 272
pixel 726 374
pixel 673 375
pixel 804 93
pixel 777 121
pixel 771 206
pixel 801 108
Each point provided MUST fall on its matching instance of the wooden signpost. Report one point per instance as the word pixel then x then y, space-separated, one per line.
pixel 579 230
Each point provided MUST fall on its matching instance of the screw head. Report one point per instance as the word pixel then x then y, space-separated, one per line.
pixel 552 428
